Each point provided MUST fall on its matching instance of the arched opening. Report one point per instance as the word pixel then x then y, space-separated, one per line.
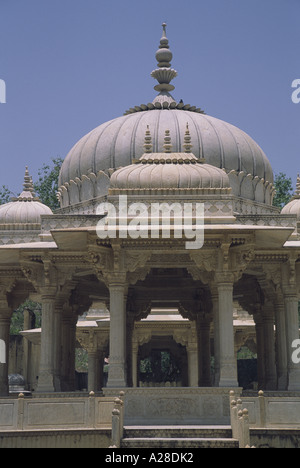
pixel 24 354
pixel 247 368
pixel 162 362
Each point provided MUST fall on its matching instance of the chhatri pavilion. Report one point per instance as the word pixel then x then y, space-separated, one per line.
pixel 159 291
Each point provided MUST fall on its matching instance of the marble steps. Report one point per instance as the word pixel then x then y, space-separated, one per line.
pixel 179 437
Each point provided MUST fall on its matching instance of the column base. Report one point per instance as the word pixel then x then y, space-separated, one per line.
pixel 228 383
pixel 282 383
pixel 116 376
pixel 294 381
pixel 116 384
pixel 46 384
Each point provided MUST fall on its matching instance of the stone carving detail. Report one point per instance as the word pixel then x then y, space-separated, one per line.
pixel 87 188
pixel 134 406
pixel 135 260
pixel 113 263
pixel 211 406
pixel 181 407
pixel 206 261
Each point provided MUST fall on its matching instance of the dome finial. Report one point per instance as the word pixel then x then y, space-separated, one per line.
pixel 148 141
pixel 28 184
pixel 187 140
pixel 164 74
pixel 167 142
pixel 297 191
pixel 165 58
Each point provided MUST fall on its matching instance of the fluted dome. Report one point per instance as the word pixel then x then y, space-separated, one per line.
pixel 86 170
pixel 293 207
pixel 170 172
pixel 119 142
pixel 25 211
pixel 175 173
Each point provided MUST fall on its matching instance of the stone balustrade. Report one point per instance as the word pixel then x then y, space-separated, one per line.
pixel 30 414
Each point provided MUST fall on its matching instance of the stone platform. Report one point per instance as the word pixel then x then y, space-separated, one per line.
pixel 175 405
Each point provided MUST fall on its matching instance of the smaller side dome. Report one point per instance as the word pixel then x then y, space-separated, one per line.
pixel 23 212
pixel 170 171
pixel 293 207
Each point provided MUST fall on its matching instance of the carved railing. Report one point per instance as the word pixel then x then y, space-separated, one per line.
pixel 117 422
pixel 56 411
pixel 239 422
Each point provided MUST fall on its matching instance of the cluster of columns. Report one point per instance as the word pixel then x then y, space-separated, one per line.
pixel 225 358
pixel 57 360
pixel 276 369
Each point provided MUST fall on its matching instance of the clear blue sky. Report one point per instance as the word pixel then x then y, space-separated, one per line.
pixel 70 65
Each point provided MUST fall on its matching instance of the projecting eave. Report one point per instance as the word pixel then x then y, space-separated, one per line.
pixel 10 254
pixel 265 236
pixel 292 244
pixel 276 235
pixel 72 239
pixel 30 245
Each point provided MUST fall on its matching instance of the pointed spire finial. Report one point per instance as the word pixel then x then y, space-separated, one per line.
pixel 167 142
pixel 164 74
pixel 148 141
pixel 164 55
pixel 28 194
pixel 297 191
pixel 187 140
pixel 28 184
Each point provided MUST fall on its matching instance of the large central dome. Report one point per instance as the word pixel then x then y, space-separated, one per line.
pixel 85 173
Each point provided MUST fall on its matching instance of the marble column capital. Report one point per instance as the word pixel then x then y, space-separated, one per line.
pixel 224 278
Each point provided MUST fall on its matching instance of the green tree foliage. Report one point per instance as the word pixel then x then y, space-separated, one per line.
pixel 160 366
pixel 284 190
pixel 47 185
pixel 45 188
pixel 81 360
pixel 5 195
pixel 17 320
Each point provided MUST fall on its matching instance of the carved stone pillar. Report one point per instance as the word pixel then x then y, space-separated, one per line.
pixel 260 348
pixel 65 351
pixel 292 333
pixel 193 372
pixel 5 317
pixel 68 339
pixel 46 382
pixel 269 347
pixel 281 349
pixel 228 363
pixel 27 347
pixel 134 362
pixel 93 373
pixel 215 311
pixel 117 343
pixel 203 327
pixel 57 344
